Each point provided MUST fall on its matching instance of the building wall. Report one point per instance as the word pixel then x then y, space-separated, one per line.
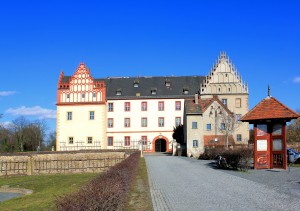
pixel 81 94
pixel 225 81
pixel 242 128
pixel 136 130
pixel 194 134
pixel 81 127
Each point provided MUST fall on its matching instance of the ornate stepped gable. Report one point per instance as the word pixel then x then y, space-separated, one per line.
pixel 223 78
pixel 81 87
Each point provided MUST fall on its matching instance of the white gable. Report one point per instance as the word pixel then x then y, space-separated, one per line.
pixel 223 79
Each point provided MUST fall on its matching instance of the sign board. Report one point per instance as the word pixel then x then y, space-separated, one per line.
pixel 262 145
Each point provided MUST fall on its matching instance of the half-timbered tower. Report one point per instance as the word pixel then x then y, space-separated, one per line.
pixel 81 113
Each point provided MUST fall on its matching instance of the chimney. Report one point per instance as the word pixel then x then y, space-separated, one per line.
pixel 196 98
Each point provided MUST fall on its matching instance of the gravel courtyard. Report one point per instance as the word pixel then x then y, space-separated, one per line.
pixel 181 183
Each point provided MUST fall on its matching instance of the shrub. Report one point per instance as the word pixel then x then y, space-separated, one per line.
pixel 109 191
pixel 239 158
pixel 211 153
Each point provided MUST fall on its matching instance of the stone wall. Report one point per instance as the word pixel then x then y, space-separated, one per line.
pixel 55 163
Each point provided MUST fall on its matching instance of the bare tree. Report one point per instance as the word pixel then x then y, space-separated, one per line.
pixel 52 140
pixel 228 124
pixel 6 140
pixel 293 131
pixel 28 135
pixel 19 126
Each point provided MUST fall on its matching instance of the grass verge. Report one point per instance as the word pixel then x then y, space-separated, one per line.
pixel 46 188
pixel 139 196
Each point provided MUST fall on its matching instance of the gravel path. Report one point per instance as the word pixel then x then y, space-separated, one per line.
pixel 180 183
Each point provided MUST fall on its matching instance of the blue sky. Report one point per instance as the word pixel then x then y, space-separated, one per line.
pixel 144 38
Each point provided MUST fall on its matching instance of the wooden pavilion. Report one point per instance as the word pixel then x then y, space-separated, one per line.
pixel 269 118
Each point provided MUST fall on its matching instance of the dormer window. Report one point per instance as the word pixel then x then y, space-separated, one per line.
pixel 136 83
pixel 185 91
pixel 153 91
pixel 167 83
pixel 119 92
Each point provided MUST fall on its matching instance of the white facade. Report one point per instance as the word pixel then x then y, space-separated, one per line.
pixel 81 114
pixel 157 110
pixel 78 131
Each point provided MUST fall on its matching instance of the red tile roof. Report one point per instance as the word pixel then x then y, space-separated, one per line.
pixel 270 108
pixel 202 105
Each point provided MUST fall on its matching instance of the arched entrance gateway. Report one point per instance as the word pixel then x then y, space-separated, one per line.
pixel 161 144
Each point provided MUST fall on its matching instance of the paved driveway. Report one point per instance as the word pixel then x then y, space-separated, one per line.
pixel 180 183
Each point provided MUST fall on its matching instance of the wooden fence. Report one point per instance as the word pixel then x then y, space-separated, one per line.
pixel 47 166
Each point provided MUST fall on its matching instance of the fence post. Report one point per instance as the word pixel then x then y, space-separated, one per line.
pixel 29 166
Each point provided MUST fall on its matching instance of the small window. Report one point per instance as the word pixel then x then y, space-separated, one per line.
pixel 161 105
pixel 119 92
pixel 223 126
pixel 185 91
pixel 144 139
pixel 127 141
pixel 110 122
pixel 177 105
pixel 167 83
pixel 194 125
pixel 110 141
pixel 224 101
pixel 144 106
pixel 127 106
pixel 177 121
pixel 161 122
pixel 69 115
pixel 71 141
pixel 144 122
pixel 239 137
pixel 127 122
pixel 208 127
pixel 92 115
pixel 238 117
pixel 195 143
pixel 68 96
pixel 136 83
pixel 94 95
pixel 110 107
pixel 83 95
pixel 153 91
pixel 90 140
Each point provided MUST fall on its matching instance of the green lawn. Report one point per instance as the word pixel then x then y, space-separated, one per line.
pixel 46 188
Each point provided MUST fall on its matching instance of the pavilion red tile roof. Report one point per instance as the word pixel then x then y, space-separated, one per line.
pixel 270 108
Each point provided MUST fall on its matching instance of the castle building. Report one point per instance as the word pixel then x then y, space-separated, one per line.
pixel 113 113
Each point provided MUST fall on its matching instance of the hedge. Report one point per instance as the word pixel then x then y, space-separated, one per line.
pixel 108 191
